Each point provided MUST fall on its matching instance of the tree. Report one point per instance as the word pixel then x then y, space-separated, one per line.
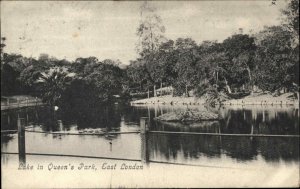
pixel 150 31
pixel 9 82
pixel 2 45
pixel 136 73
pixel 277 62
pixel 154 70
pixel 210 72
pixel 11 67
pixel 54 83
pixel 107 80
pixel 166 59
pixel 32 72
pixel 151 35
pixel 185 66
pixel 290 20
pixel 240 50
pixel 79 66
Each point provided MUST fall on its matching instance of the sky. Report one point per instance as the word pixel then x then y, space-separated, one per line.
pixel 107 29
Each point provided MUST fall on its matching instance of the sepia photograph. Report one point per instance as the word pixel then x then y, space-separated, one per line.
pixel 149 94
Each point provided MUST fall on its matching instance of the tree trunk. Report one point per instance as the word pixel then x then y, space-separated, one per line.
pixel 249 74
pixel 154 90
pixel 186 91
pixel 148 113
pixel 250 78
pixel 160 88
pixel 172 92
pixel 148 93
pixel 227 86
pixel 217 78
pixel 255 88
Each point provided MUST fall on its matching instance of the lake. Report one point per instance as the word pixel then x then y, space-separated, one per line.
pixel 170 148
pixel 174 160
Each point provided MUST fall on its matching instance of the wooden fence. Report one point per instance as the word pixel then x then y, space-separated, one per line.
pixel 144 132
pixel 13 103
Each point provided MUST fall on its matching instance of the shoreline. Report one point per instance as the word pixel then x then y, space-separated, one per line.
pixel 260 99
pixel 168 99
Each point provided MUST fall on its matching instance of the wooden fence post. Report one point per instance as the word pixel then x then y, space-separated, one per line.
pixel 8 119
pixel 21 142
pixel 144 140
pixel 27 117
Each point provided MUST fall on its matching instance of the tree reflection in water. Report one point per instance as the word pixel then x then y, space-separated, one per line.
pixel 94 117
pixel 238 121
pixel 240 148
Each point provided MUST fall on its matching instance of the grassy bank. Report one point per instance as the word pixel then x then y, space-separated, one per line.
pixel 168 99
pixel 255 99
pixel 265 99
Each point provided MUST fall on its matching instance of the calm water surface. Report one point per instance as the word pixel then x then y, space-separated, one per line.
pixel 185 149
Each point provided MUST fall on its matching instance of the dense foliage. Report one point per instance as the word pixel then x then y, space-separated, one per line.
pixel 58 81
pixel 267 60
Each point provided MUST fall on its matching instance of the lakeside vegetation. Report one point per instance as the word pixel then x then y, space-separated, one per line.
pixel 266 61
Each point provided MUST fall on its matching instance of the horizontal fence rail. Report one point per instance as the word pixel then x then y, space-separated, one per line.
pixel 8 131
pixel 223 134
pixel 158 132
pixel 102 133
pixel 75 156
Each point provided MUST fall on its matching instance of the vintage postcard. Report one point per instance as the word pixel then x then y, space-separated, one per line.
pixel 149 94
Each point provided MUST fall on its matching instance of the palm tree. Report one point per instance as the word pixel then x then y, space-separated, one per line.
pixel 54 82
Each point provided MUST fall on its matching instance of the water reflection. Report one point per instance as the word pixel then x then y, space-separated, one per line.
pixel 249 120
pixel 62 120
pixel 165 147
pixel 181 148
